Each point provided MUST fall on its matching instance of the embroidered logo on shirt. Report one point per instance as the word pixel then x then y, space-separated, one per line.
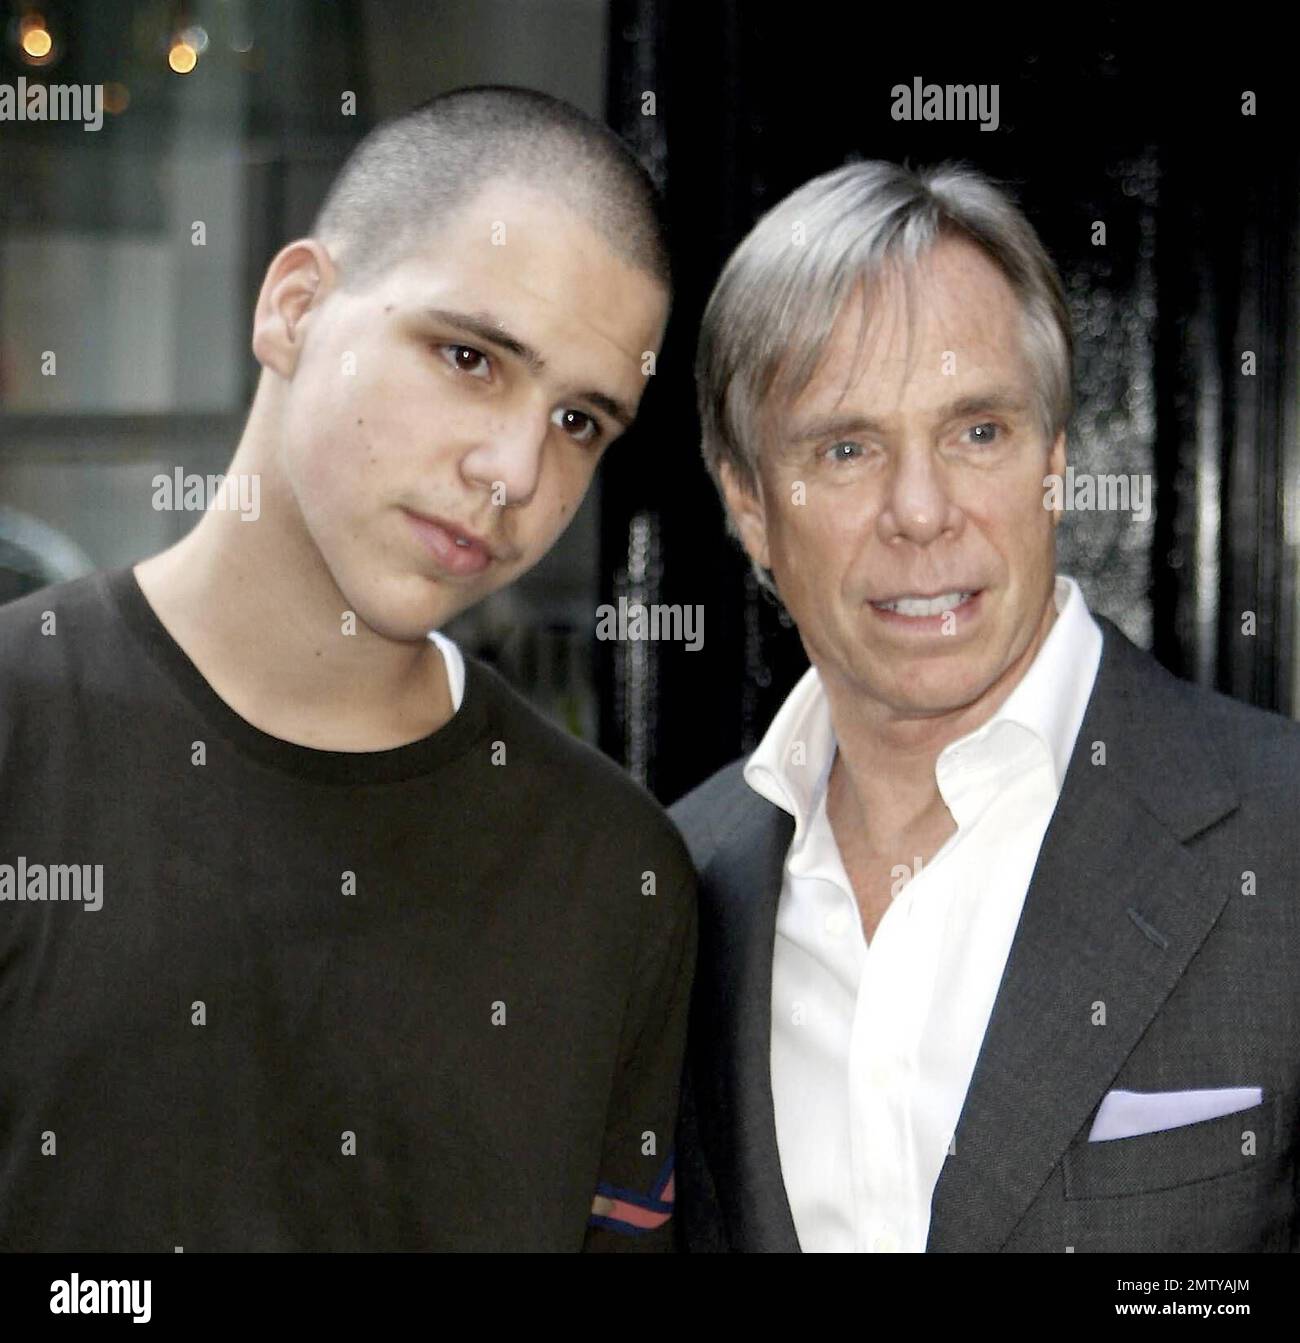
pixel 631 1213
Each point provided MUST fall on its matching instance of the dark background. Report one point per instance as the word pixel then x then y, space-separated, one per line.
pixel 1101 119
pixel 1106 115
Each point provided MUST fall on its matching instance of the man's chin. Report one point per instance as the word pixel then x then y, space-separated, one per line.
pixel 413 626
pixel 921 693
pixel 408 613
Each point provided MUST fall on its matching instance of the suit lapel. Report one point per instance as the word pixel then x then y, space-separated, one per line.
pixel 736 941
pixel 1113 860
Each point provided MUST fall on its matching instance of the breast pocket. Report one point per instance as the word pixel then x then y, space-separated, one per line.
pixel 1206 1150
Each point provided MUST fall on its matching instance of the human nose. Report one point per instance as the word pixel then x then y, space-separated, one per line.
pixel 507 456
pixel 919 506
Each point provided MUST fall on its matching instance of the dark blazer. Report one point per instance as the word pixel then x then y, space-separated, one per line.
pixel 1141 900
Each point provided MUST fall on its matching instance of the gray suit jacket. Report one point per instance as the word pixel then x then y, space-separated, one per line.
pixel 1141 900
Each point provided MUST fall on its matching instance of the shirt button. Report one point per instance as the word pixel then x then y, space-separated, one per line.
pixel 885 1242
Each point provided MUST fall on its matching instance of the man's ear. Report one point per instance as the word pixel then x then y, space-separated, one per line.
pixel 1056 467
pixel 748 513
pixel 297 282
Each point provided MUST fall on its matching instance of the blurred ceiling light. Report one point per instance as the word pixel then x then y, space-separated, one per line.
pixel 35 45
pixel 37 42
pixel 196 37
pixel 182 57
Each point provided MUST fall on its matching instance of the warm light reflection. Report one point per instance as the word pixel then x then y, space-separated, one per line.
pixel 36 42
pixel 182 58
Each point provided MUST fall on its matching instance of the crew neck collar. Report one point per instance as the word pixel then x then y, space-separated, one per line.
pixel 453 739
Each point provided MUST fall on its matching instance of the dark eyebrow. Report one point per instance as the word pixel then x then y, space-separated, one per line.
pixel 996 401
pixel 482 326
pixel 614 409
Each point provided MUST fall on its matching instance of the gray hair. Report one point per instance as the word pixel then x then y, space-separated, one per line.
pixel 771 313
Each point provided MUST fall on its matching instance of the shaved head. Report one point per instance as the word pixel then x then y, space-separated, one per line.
pixel 401 183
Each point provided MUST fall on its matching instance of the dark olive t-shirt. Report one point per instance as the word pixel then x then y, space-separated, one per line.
pixel 432 997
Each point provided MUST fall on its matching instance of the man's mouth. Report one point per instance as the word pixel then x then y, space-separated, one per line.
pixel 920 606
pixel 460 552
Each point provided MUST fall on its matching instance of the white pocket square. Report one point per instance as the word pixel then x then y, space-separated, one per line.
pixel 1126 1114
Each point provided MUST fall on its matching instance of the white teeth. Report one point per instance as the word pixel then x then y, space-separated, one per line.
pixel 460 541
pixel 925 606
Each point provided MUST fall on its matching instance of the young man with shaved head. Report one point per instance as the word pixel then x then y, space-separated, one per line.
pixel 998 924
pixel 376 957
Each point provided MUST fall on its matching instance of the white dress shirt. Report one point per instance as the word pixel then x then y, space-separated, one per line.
pixel 873 1046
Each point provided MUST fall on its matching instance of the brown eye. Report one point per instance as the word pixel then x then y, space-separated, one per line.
pixel 467 359
pixel 577 424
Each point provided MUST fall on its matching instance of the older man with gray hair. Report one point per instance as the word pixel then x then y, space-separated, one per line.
pixel 998 924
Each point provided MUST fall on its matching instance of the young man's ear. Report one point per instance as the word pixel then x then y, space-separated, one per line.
pixel 747 511
pixel 297 281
